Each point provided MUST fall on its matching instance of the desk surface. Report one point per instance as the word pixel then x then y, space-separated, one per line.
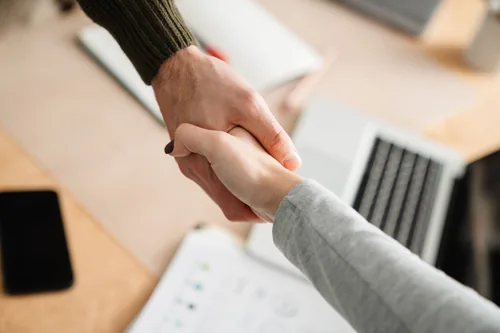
pixel 471 131
pixel 110 286
pixel 45 71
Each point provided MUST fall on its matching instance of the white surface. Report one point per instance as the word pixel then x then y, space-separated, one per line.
pixel 104 48
pixel 260 244
pixel 264 51
pixel 212 285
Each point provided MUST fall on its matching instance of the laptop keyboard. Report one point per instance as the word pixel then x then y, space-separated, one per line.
pixel 397 193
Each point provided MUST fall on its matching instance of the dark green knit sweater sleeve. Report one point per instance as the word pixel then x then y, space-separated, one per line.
pixel 148 31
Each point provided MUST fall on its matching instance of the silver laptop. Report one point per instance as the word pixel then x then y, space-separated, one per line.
pixel 411 16
pixel 398 181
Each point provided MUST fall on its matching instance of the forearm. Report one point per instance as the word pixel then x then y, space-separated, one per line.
pixel 149 31
pixel 374 282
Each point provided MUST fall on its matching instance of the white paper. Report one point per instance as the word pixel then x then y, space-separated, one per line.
pixel 108 53
pixel 212 285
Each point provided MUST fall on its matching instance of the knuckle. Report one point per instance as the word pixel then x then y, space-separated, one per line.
pixel 191 167
pixel 232 215
pixel 277 140
pixel 236 211
pixel 186 170
pixel 231 208
pixel 198 167
pixel 249 96
pixel 220 139
pixel 249 103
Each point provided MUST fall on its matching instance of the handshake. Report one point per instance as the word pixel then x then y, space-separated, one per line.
pixel 225 137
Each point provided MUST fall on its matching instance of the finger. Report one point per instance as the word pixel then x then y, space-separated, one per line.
pixel 244 135
pixel 190 139
pixel 272 136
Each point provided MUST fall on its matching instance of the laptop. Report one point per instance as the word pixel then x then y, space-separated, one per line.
pixel 409 16
pixel 398 181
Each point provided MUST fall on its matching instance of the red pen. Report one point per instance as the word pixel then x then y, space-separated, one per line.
pixel 213 51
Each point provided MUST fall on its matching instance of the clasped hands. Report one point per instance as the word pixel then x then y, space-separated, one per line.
pixel 225 137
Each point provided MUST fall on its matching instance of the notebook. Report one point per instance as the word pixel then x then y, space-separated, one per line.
pixel 258 46
pixel 213 285
pixel 105 50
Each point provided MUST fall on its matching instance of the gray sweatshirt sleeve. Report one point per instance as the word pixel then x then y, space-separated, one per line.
pixel 376 284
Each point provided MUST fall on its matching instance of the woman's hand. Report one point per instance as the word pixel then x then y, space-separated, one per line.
pixel 241 164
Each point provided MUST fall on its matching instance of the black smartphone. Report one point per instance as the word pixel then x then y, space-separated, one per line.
pixel 35 256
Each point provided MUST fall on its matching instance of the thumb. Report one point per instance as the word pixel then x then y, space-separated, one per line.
pixel 190 139
pixel 265 128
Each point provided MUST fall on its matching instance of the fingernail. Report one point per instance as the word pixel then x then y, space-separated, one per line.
pixel 292 161
pixel 169 148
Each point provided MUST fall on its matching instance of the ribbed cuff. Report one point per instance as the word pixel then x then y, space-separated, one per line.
pixel 148 31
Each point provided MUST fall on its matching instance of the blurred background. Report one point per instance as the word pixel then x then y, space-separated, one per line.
pixel 76 118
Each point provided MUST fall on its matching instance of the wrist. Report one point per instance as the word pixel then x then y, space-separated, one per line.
pixel 177 64
pixel 182 57
pixel 279 185
pixel 175 83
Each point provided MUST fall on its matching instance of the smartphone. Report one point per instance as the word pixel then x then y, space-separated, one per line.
pixel 34 251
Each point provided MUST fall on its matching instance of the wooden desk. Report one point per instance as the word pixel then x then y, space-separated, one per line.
pixel 473 131
pixel 110 286
pixel 51 88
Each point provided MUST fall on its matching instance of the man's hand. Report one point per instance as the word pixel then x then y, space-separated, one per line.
pixel 194 88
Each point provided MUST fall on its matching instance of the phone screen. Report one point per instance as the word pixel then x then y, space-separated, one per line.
pixel 35 255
